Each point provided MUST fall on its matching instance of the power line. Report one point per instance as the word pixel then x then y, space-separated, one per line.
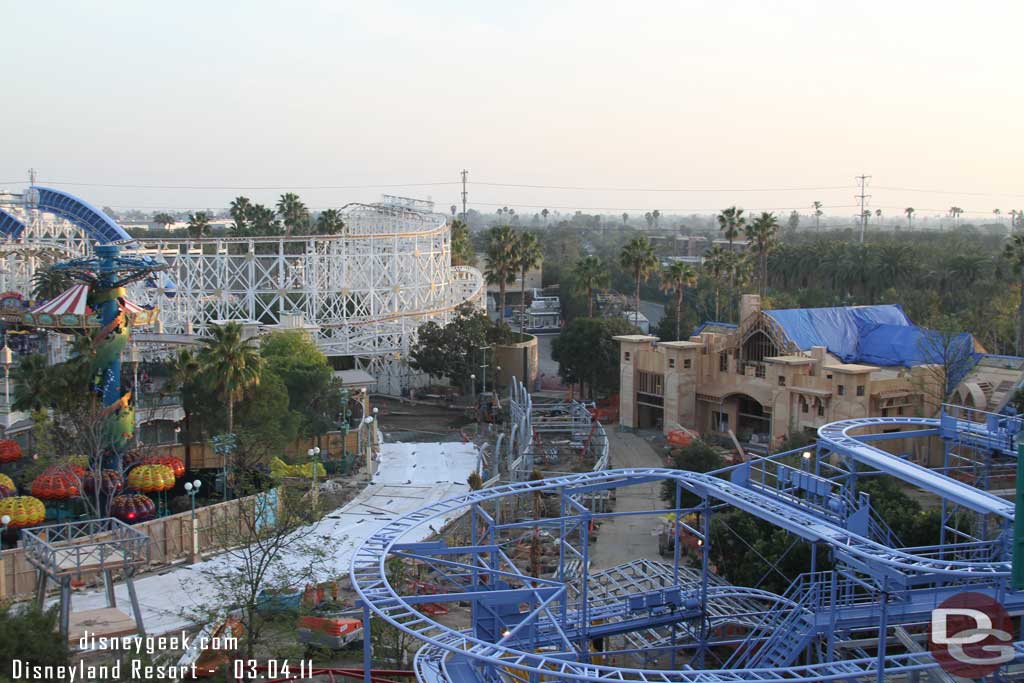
pixel 662 189
pixel 634 208
pixel 245 187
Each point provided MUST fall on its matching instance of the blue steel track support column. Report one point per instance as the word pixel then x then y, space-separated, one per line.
pixel 585 585
pixel 705 562
pixel 883 631
pixel 367 646
pixel 1018 529
pixel 676 552
pixel 563 601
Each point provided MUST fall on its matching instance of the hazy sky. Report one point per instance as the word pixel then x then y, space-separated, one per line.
pixel 714 96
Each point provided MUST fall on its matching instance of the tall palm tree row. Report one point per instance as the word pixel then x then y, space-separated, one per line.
pixel 1014 253
pixel 502 263
pixel 198 224
pixel 230 364
pixel 293 213
pixel 638 257
pixel 49 282
pixel 676 279
pixel 761 236
pixel 589 274
pixel 731 222
pixel 527 257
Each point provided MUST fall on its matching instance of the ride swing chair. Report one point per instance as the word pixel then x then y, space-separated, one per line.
pixel 861 612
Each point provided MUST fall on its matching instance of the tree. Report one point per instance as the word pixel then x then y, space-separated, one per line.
pixel 30 634
pixel 453 351
pixel 544 214
pixel 501 262
pixel 955 212
pixel 587 354
pixel 910 217
pixel 731 223
pixel 314 395
pixel 675 280
pixel 1014 253
pixel 649 219
pixel 164 220
pixel 761 235
pixel 656 216
pixel 269 547
pixel 589 274
pixel 198 224
pixel 716 264
pixel 948 355
pixel 183 374
pixel 31 382
pixel 817 216
pixel 49 282
pixel 625 218
pixel 793 222
pixel 230 364
pixel 293 213
pixel 878 216
pixel 699 456
pixel 329 222
pixel 241 211
pixel 638 257
pixel 527 256
pixel 462 245
pixel 263 221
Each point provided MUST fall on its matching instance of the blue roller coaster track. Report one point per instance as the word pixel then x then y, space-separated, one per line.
pixel 857 620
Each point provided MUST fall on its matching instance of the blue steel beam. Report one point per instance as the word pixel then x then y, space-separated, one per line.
pixel 10 226
pixel 97 225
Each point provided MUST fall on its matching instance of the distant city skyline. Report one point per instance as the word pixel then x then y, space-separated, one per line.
pixel 712 97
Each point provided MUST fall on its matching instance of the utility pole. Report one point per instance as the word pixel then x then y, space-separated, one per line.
pixel 32 177
pixel 863 197
pixel 465 175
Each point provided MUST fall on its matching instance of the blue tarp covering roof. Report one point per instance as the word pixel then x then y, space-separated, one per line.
pixel 710 323
pixel 877 335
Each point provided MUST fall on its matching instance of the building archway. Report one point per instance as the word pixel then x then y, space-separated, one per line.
pixel 747 418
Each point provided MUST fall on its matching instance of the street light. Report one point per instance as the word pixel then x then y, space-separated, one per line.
pixel 368 421
pixel 192 489
pixel 314 455
pixel 472 381
pixel 7 359
pixel 4 521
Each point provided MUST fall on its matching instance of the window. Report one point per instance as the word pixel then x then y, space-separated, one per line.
pixel 759 371
pixel 723 362
pixel 626 355
pixel 828 376
pixel 885 412
pixel 860 389
pixel 720 421
pixel 841 389
pixel 821 408
pixel 671 362
pixel 687 363
pixel 782 380
pixel 803 405
pixel 899 411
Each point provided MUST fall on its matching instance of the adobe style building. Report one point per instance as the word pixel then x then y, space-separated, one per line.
pixel 784 371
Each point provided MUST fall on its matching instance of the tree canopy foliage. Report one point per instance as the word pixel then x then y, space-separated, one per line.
pixel 587 354
pixel 453 351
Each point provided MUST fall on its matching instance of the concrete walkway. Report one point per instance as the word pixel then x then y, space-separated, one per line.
pixel 629 538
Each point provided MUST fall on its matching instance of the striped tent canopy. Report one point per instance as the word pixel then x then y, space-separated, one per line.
pixel 71 310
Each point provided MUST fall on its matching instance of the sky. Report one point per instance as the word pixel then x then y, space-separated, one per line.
pixel 765 104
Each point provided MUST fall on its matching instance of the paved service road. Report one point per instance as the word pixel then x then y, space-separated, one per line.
pixel 629 538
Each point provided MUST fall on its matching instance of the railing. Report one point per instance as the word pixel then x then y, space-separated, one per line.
pixel 67 548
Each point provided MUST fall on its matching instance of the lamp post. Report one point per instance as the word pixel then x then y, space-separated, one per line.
pixel 135 357
pixel 483 368
pixel 314 456
pixel 192 489
pixel 7 359
pixel 472 381
pixel 368 422
pixel 4 521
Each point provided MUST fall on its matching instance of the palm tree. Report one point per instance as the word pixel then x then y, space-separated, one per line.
pixel 329 222
pixel 716 263
pixel 199 224
pixel 731 222
pixel 293 213
pixel 910 217
pixel 674 280
pixel 1014 253
pixel 545 213
pixel 761 236
pixel 31 383
pixel 49 282
pixel 501 262
pixel 625 218
pixel 817 216
pixel 656 215
pixel 528 256
pixel 230 364
pixel 184 371
pixel 955 212
pixel 589 274
pixel 241 210
pixel 164 219
pixel 878 216
pixel 638 256
pixel 462 245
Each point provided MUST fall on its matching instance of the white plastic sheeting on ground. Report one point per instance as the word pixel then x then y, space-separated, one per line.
pixel 409 476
